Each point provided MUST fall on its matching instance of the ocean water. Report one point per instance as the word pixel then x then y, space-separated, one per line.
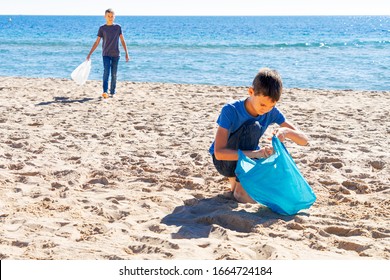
pixel 350 52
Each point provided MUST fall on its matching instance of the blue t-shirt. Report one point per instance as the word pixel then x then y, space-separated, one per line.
pixel 234 115
pixel 110 35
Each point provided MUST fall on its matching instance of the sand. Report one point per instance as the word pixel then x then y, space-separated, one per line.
pixel 131 177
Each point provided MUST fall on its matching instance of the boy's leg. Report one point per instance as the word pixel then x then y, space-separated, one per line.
pixel 114 70
pixel 245 138
pixel 106 73
pixel 241 195
pixel 233 182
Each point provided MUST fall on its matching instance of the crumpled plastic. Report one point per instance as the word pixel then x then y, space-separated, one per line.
pixel 276 181
pixel 81 73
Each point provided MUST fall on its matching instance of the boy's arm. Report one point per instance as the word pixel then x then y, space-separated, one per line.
pixel 221 151
pixel 288 130
pixel 94 47
pixel 124 47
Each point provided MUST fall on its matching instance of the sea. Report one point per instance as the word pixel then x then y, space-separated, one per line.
pixel 314 52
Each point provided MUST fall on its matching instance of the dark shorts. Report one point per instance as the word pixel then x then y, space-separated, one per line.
pixel 245 138
pixel 225 167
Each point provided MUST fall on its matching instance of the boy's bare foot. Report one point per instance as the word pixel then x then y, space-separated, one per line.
pixel 241 195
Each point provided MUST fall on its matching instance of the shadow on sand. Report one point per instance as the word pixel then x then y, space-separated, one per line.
pixel 197 218
pixel 65 100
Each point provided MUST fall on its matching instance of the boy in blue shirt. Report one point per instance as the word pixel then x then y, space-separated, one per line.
pixel 242 123
pixel 111 33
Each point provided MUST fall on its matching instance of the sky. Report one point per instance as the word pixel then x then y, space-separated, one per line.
pixel 196 7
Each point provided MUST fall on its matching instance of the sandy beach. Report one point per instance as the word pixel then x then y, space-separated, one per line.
pixel 131 177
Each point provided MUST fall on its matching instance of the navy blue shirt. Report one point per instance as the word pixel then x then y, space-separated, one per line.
pixel 110 35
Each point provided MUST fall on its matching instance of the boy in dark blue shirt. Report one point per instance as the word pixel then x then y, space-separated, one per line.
pixel 111 33
pixel 242 123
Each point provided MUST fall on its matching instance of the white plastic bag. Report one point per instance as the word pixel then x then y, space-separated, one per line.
pixel 81 73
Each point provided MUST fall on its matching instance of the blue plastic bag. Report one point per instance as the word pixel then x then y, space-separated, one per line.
pixel 276 181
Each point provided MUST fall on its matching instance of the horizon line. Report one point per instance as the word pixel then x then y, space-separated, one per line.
pixel 211 15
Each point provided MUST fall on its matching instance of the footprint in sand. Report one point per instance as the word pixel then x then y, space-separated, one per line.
pixel 14 225
pixel 265 252
pixel 358 187
pixel 19 136
pixel 377 164
pixel 152 245
pixel 103 181
pixel 89 230
pixel 20 244
pixel 352 246
pixel 346 232
pixel 157 228
pixel 16 166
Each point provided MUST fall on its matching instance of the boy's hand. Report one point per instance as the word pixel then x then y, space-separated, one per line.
pixel 280 133
pixel 263 152
pixel 267 151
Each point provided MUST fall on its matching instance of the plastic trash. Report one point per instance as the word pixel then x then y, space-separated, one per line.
pixel 276 181
pixel 81 73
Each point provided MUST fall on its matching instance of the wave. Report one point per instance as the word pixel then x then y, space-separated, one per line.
pixel 218 46
pixel 197 45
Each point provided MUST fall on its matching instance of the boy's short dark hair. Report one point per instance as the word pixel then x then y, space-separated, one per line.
pixel 111 11
pixel 268 83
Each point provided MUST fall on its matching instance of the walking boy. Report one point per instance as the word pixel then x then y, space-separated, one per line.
pixel 111 33
pixel 242 123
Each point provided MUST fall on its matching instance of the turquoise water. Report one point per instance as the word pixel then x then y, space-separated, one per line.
pixel 309 52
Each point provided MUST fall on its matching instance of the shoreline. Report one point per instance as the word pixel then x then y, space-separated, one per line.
pixel 131 177
pixel 193 84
